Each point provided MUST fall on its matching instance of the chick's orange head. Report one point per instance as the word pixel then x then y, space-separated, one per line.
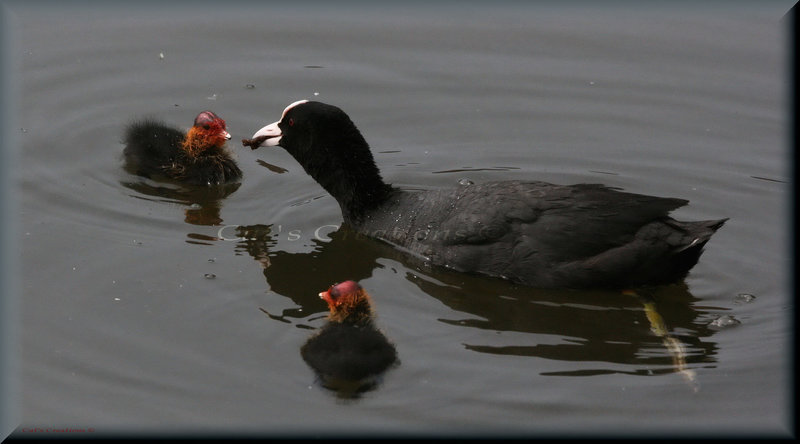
pixel 208 131
pixel 339 293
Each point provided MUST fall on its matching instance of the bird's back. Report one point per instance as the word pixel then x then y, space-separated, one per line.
pixel 543 234
pixel 150 144
pixel 349 352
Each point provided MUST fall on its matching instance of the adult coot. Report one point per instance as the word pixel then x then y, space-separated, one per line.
pixel 349 347
pixel 533 233
pixel 198 157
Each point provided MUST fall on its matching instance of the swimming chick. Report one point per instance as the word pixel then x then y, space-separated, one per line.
pixel 198 157
pixel 349 347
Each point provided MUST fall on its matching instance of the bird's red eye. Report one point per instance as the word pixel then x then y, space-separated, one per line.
pixel 291 121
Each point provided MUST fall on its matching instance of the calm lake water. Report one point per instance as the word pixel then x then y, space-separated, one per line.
pixel 147 307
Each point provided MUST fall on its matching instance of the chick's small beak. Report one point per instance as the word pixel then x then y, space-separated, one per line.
pixel 227 135
pixel 326 296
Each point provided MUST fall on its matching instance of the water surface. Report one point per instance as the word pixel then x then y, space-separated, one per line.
pixel 150 307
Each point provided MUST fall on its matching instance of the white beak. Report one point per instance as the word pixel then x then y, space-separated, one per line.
pixel 227 135
pixel 272 131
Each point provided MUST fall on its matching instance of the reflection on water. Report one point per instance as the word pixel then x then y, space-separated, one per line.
pixel 347 390
pixel 585 326
pixel 656 331
pixel 204 202
pixel 271 167
pixel 346 256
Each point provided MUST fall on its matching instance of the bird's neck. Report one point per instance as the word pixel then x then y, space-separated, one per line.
pixel 358 195
pixel 358 312
pixel 355 182
pixel 198 141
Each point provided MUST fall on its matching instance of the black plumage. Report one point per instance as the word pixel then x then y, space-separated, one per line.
pixel 198 157
pixel 349 347
pixel 533 233
pixel 349 352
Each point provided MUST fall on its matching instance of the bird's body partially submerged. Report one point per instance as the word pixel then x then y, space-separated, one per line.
pixel 544 235
pixel 349 347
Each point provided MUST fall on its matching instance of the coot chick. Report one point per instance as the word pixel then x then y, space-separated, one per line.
pixel 349 347
pixel 533 233
pixel 198 157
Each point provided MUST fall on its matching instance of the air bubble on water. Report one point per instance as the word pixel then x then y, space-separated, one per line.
pixel 210 276
pixel 743 298
pixel 724 321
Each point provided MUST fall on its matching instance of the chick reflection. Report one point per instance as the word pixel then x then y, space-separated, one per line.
pixel 349 353
pixel 203 203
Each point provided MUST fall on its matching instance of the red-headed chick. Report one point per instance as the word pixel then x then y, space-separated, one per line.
pixel 198 157
pixel 349 347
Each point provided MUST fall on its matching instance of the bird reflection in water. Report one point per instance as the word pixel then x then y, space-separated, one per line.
pixel 611 331
pixel 203 204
